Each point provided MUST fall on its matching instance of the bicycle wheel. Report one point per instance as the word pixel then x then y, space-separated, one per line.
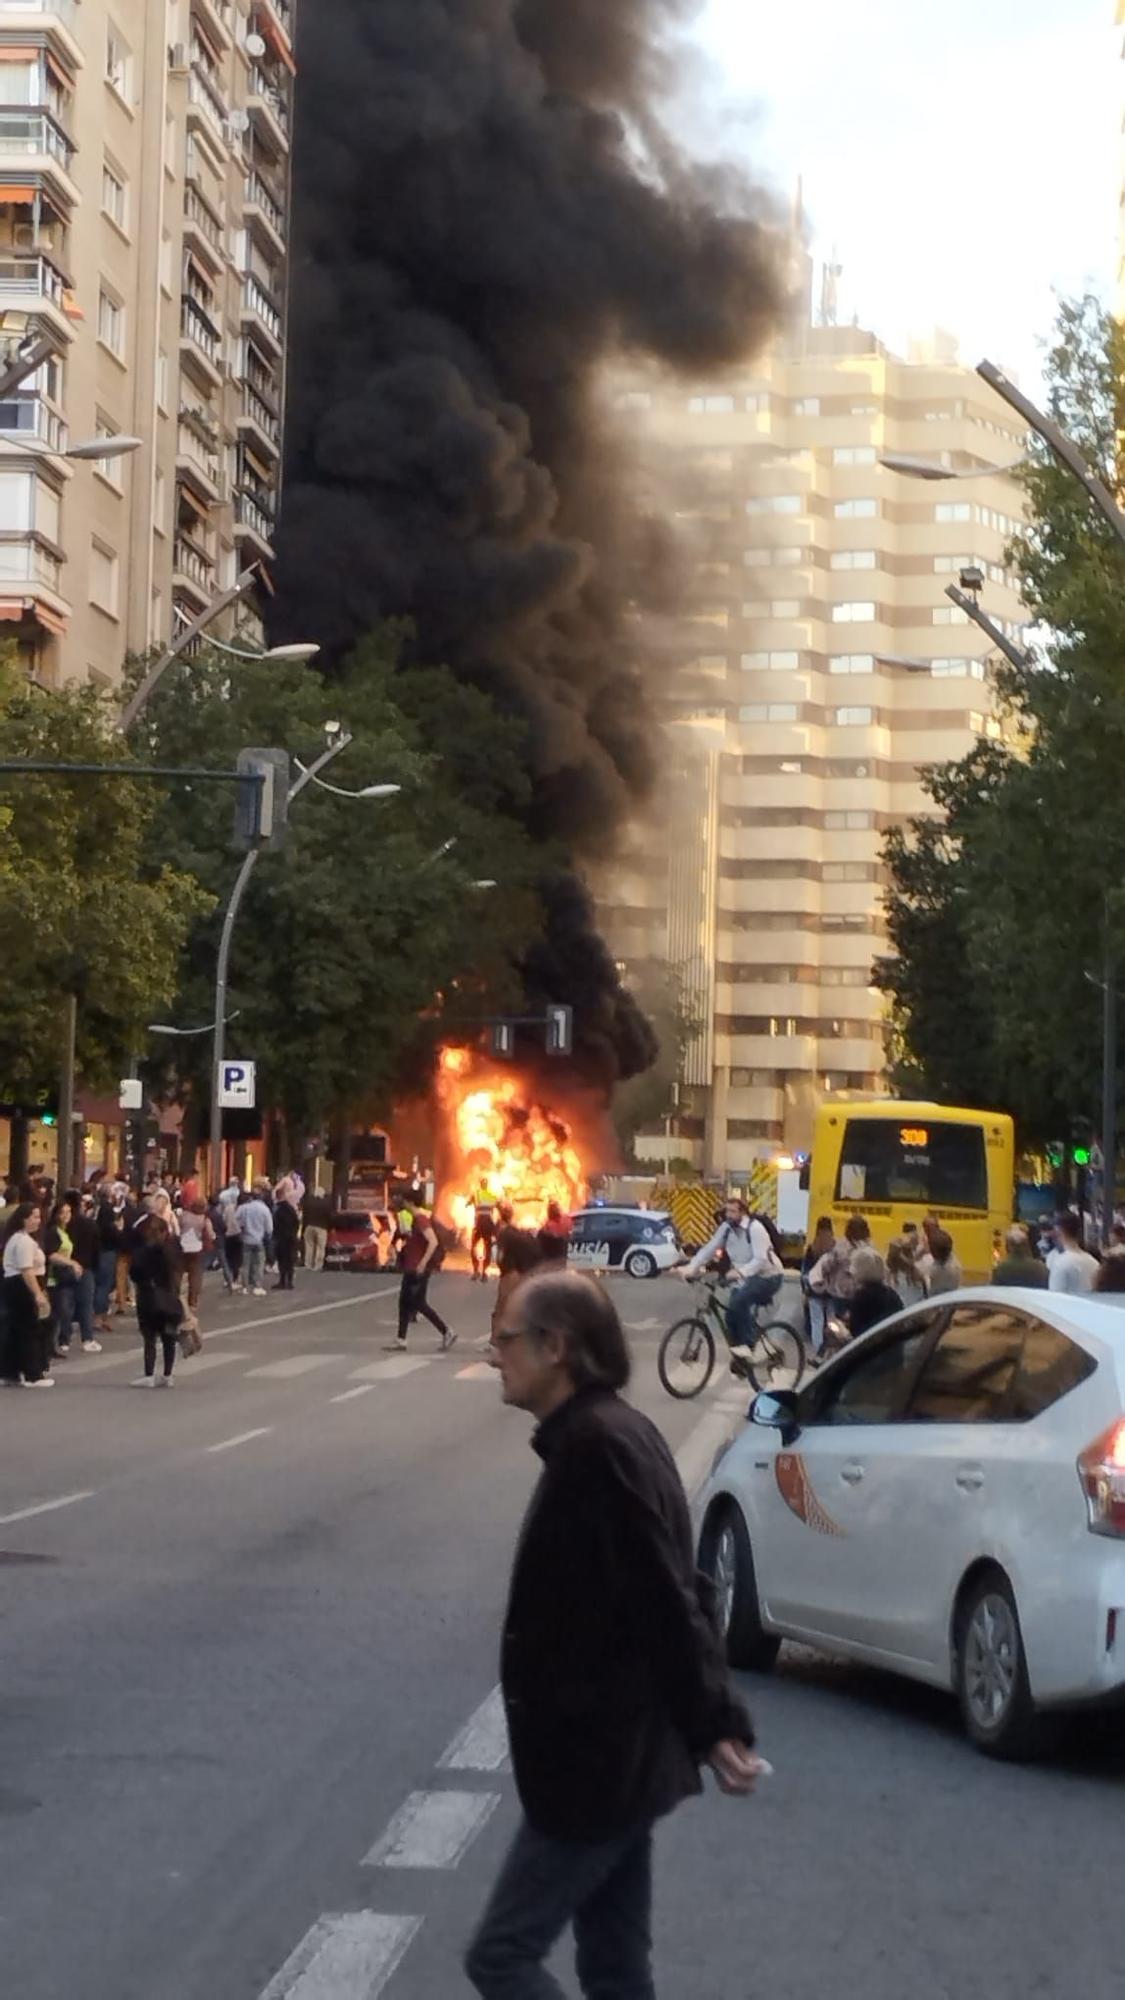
pixel 686 1358
pixel 777 1358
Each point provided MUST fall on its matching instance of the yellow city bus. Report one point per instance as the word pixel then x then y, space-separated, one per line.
pixel 897 1163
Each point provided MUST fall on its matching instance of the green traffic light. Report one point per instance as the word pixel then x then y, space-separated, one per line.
pixel 48 1118
pixel 1081 1156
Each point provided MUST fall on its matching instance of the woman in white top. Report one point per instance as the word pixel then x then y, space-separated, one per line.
pixel 27 1305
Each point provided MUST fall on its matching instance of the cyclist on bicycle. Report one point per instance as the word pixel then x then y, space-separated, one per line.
pixel 748 1242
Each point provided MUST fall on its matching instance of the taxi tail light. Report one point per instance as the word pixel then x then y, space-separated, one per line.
pixel 1101 1469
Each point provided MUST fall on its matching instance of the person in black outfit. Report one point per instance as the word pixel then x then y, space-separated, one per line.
pixel 156 1273
pixel 87 1250
pixel 286 1230
pixel 873 1299
pixel 613 1675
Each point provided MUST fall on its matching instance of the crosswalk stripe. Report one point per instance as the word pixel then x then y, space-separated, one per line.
pixel 432 1830
pixel 199 1364
pixel 478 1371
pixel 345 1957
pixel 291 1367
pixel 482 1745
pixel 392 1368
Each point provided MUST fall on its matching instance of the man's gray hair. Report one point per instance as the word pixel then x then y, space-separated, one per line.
pixel 576 1307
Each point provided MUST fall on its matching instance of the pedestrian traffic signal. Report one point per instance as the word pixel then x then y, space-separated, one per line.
pixel 503 1040
pixel 560 1031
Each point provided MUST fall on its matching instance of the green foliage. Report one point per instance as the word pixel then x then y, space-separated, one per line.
pixel 1003 902
pixel 87 903
pixel 363 940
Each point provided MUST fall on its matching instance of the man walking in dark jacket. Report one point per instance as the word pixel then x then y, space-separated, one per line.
pixel 613 1675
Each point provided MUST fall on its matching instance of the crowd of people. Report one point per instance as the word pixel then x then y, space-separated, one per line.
pixel 80 1260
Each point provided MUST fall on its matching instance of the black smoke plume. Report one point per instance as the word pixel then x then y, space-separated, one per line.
pixel 486 213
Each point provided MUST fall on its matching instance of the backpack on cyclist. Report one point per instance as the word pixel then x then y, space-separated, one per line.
pixel 773 1232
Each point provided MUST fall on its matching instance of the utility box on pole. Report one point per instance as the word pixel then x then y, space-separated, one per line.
pixel 262 806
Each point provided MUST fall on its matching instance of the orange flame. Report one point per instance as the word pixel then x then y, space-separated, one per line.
pixel 498 1138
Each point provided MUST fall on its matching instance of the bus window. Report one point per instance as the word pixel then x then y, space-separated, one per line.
pixel 934 1166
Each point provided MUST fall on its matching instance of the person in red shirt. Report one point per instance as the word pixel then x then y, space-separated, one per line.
pixel 420 1254
pixel 554 1237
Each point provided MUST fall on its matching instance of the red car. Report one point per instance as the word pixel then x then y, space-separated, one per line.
pixel 355 1242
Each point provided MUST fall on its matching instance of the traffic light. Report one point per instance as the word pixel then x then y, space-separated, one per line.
pixel 560 1031
pixel 1082 1156
pixel 261 811
pixel 503 1040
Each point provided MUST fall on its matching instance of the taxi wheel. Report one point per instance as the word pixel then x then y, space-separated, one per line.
pixel 992 1683
pixel 728 1560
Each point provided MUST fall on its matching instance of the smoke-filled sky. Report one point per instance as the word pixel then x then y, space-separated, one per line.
pixel 962 155
pixel 487 210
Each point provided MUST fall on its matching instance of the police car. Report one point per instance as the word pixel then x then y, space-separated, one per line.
pixel 639 1241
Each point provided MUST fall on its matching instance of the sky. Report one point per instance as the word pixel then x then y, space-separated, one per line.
pixel 962 157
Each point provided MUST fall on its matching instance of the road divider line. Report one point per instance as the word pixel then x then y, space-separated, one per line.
pixel 433 1830
pixel 350 1956
pixel 349 1395
pixel 292 1367
pixel 244 1437
pixel 482 1745
pixel 45 1507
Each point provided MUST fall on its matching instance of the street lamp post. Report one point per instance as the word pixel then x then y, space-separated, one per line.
pixel 140 700
pixel 306 776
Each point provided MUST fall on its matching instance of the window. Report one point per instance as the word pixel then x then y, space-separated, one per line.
pixel 950 614
pixel 711 406
pixel 971 1375
pixel 1050 1366
pixel 771 558
pixel 850 871
pixel 856 510
pixel 854 454
pixel 852 822
pixel 854 559
pixel 162 380
pixel 108 469
pixel 953 565
pixel 115 198
pixel 772 607
pixel 953 510
pixel 103 578
pixel 859 612
pixel 118 61
pixel 843 975
pixel 807 406
pixel 938 1166
pixel 774 711
pixel 853 718
pixel 874 1388
pixel 774 662
pixel 851 663
pixel 160 525
pixel 754 405
pixel 976 721
pixel 775 503
pixel 111 323
pixel 635 399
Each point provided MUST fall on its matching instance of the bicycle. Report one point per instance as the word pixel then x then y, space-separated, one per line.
pixel 686 1361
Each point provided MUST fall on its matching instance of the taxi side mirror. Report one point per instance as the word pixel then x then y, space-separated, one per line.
pixel 776 1410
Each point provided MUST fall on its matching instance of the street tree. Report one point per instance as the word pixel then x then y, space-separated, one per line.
pixel 1005 899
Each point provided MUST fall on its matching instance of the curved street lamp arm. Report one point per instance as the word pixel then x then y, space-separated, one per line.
pixel 972 609
pixel 1064 448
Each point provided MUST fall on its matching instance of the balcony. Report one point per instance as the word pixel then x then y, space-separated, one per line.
pixel 201 228
pixel 28 420
pixel 206 104
pixel 216 18
pixel 60 16
pixel 269 110
pixel 252 518
pixel 193 570
pixel 202 347
pixel 260 308
pixel 34 284
pixel 196 457
pixel 34 142
pixel 282 11
pixel 265 211
pixel 260 419
pixel 26 559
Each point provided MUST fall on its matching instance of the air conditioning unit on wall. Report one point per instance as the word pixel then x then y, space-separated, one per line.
pixel 179 62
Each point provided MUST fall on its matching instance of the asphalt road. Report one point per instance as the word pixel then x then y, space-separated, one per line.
pixel 247 1746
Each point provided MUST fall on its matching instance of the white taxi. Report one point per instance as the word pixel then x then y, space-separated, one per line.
pixel 945 1499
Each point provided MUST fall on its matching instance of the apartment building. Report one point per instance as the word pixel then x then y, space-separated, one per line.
pixel 144 216
pixel 816 668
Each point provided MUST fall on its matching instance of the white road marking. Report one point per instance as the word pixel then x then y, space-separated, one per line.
pixel 349 1395
pixel 198 1364
pixel 643 1325
pixel 483 1743
pixel 244 1437
pixel 303 1312
pixel 390 1370
pixel 480 1371
pixel 346 1957
pixel 293 1366
pixel 45 1507
pixel 432 1830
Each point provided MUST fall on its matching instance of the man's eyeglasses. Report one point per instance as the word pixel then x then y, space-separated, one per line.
pixel 505 1336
